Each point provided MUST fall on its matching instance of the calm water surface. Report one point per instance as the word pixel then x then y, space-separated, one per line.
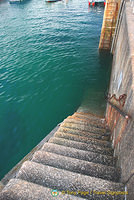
pixel 49 66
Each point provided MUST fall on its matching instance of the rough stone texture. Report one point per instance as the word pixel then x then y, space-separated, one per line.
pixel 1 186
pixel 130 188
pixel 109 23
pixel 18 189
pixel 76 165
pixel 82 146
pixel 122 82
pixel 83 127
pixel 85 118
pixel 79 154
pixel 89 115
pixel 82 139
pixel 65 180
pixel 83 133
pixel 91 122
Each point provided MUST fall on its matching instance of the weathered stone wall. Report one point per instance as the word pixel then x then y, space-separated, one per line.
pixel 122 82
pixel 109 23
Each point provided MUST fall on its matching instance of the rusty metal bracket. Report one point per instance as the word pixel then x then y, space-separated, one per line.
pixel 114 114
pixel 118 103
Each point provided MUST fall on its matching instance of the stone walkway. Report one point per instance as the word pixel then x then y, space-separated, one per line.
pixel 76 163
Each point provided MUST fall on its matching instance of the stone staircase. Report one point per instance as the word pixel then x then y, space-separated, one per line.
pixel 76 163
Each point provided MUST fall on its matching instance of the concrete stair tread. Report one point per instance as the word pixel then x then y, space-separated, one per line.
pixel 61 179
pixel 83 133
pixel 79 154
pixel 18 189
pixel 77 120
pixel 76 165
pixel 83 127
pixel 82 139
pixel 82 146
pixel 83 116
pixel 89 118
pixel 89 115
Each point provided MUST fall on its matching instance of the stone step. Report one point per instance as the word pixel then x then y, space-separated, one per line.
pixel 64 180
pixel 1 186
pixel 17 189
pixel 84 133
pixel 76 165
pixel 99 121
pixel 82 146
pixel 82 139
pixel 89 121
pixel 85 128
pixel 89 116
pixel 79 154
pixel 76 120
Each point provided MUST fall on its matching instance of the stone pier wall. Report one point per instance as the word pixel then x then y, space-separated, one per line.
pixel 122 82
pixel 109 23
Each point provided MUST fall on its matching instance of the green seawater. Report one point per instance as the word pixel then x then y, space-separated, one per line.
pixel 49 66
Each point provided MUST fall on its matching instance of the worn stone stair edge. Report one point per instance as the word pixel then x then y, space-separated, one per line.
pixel 1 186
pixel 82 146
pixel 85 129
pixel 76 165
pixel 65 180
pixel 79 154
pixel 82 139
pixel 86 124
pixel 82 126
pixel 83 133
pixel 89 114
pixel 85 117
pixel 84 121
pixel 18 189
